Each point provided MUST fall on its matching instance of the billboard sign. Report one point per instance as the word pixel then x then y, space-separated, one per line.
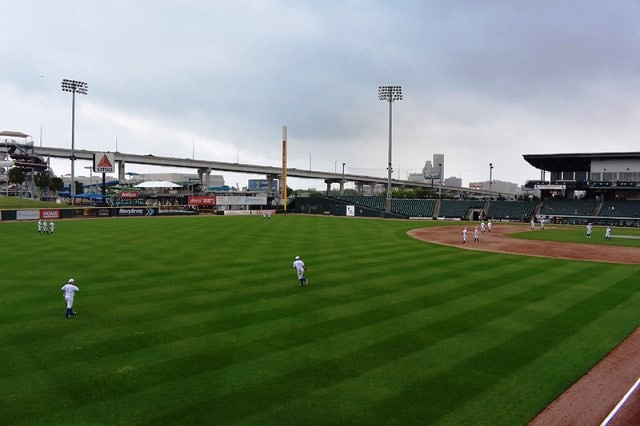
pixel 50 214
pixel 129 194
pixel 202 200
pixel 104 162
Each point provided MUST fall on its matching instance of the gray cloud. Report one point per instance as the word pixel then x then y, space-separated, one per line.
pixel 483 81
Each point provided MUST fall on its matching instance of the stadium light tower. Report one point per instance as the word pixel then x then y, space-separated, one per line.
pixel 490 177
pixel 342 186
pixel 389 94
pixel 73 86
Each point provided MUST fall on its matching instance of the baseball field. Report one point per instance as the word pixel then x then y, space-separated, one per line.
pixel 199 320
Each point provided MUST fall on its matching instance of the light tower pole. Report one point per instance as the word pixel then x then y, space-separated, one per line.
pixel 73 86
pixel 490 177
pixel 342 186
pixel 389 94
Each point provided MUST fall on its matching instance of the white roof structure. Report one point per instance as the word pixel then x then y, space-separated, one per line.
pixel 158 184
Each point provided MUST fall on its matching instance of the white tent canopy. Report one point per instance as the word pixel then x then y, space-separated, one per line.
pixel 158 184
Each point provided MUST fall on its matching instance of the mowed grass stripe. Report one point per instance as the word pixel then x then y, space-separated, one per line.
pixel 300 376
pixel 476 373
pixel 376 333
pixel 186 344
pixel 115 345
pixel 239 316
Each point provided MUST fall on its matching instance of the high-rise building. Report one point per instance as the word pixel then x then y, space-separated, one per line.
pixel 438 165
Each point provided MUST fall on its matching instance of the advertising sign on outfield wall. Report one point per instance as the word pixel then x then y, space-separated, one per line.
pixel 49 214
pixel 136 211
pixel 235 200
pixel 27 215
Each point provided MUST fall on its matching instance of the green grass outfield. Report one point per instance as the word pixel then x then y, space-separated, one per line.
pixel 578 234
pixel 199 320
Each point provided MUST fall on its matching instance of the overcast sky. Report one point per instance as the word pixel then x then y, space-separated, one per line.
pixel 483 81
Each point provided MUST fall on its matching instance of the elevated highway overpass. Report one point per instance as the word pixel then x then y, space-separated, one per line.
pixel 204 168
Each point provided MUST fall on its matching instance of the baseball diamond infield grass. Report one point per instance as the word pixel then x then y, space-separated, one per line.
pixel 199 320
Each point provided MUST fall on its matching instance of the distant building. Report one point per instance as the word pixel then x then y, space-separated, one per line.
pixel 416 177
pixel 454 182
pixel 496 186
pixel 432 171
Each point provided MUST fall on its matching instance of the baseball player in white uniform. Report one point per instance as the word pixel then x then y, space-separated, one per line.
pixel 298 265
pixel 464 235
pixel 68 291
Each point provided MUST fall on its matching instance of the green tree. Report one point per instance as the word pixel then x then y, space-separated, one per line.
pixel 16 175
pixel 42 181
pixel 56 184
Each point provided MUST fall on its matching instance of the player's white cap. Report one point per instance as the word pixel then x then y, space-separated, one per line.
pixel 71 281
pixel 297 257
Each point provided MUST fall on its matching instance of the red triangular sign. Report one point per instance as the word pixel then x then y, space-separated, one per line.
pixel 105 163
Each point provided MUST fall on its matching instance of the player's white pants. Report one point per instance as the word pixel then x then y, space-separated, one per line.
pixel 69 302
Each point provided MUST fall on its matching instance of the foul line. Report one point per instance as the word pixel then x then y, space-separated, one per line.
pixel 613 412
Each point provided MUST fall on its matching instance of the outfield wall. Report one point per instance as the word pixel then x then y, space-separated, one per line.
pixel 94 212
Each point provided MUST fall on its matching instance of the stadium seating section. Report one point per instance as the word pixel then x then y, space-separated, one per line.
pixel 620 209
pixel 511 210
pixel 562 207
pixel 499 209
pixel 458 209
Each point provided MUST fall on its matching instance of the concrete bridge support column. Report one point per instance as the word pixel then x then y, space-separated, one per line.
pixel 270 179
pixel 328 182
pixel 121 170
pixel 206 173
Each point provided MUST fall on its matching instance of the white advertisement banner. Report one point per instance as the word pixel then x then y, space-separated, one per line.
pixel 235 200
pixel 28 215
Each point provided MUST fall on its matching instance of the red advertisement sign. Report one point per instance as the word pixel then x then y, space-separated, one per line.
pixel 129 194
pixel 49 214
pixel 202 200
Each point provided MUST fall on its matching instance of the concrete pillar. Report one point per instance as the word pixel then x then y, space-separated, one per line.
pixel 270 179
pixel 205 177
pixel 328 182
pixel 121 170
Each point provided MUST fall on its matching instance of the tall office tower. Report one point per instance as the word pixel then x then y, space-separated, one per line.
pixel 438 165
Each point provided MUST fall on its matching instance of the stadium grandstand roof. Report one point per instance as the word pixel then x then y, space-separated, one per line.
pixel 575 161
pixel 13 134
